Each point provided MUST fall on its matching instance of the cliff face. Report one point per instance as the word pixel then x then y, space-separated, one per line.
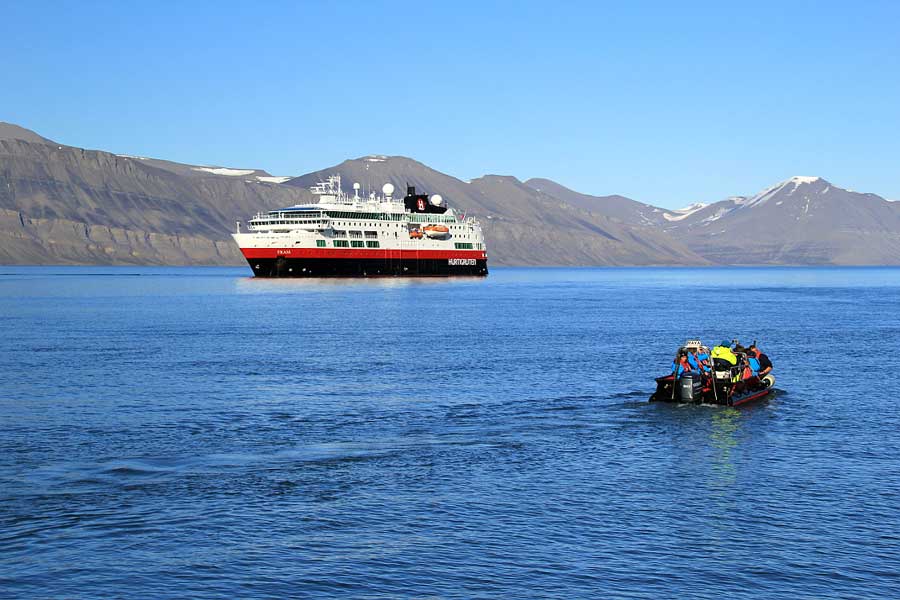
pixel 60 204
pixel 26 240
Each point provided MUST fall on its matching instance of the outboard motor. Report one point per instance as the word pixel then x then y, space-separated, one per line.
pixel 690 388
pixel 768 380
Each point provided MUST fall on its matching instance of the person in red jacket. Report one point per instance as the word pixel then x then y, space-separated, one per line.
pixel 681 364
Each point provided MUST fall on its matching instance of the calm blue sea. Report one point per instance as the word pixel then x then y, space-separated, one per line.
pixel 195 433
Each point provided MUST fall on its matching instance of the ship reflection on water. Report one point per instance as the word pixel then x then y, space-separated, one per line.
pixel 257 285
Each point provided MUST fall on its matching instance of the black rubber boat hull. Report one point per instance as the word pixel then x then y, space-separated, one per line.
pixel 725 393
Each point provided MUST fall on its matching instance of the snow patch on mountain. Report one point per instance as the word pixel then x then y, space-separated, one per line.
pixel 272 179
pixel 224 171
pixel 788 185
pixel 684 213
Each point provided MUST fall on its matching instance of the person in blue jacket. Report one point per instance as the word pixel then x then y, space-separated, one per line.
pixel 699 361
pixel 754 364
pixel 765 365
pixel 681 364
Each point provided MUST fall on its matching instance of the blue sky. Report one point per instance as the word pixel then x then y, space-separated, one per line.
pixel 667 103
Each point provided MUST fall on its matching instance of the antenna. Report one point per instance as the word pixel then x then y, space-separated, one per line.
pixel 355 191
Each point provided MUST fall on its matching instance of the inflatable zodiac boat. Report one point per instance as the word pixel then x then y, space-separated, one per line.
pixel 722 375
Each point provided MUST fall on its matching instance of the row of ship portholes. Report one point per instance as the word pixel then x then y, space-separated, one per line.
pixel 303 270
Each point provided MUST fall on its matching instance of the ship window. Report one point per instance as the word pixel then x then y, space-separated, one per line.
pixel 463 246
pixel 372 244
pixel 320 243
pixel 356 234
pixel 341 243
pixel 357 243
pixel 371 234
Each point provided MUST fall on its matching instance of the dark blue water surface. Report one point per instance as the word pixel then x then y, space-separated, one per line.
pixel 197 433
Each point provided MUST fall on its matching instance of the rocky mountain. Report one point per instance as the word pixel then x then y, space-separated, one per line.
pixel 799 221
pixel 615 206
pixel 522 224
pixel 61 204
pixel 9 131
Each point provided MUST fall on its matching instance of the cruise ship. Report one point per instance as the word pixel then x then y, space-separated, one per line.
pixel 354 236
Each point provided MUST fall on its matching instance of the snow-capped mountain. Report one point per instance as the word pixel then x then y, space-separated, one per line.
pixel 802 220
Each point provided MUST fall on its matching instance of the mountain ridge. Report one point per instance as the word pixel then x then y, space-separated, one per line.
pixel 68 205
pixel 522 225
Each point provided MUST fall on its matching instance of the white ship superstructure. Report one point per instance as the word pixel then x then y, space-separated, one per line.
pixel 356 236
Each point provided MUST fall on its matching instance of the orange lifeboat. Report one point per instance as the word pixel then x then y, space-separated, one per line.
pixel 436 231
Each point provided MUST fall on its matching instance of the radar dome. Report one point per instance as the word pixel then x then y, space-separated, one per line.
pixel 387 189
pixel 355 186
pixel 437 200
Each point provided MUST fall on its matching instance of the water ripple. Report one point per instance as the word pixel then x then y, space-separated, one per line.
pixel 183 436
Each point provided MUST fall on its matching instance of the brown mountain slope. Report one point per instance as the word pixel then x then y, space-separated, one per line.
pixel 522 225
pixel 614 206
pixel 62 204
pixel 10 131
pixel 800 221
pixel 567 235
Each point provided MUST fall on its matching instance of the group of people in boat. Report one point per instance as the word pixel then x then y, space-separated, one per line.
pixel 751 361
pixel 727 374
